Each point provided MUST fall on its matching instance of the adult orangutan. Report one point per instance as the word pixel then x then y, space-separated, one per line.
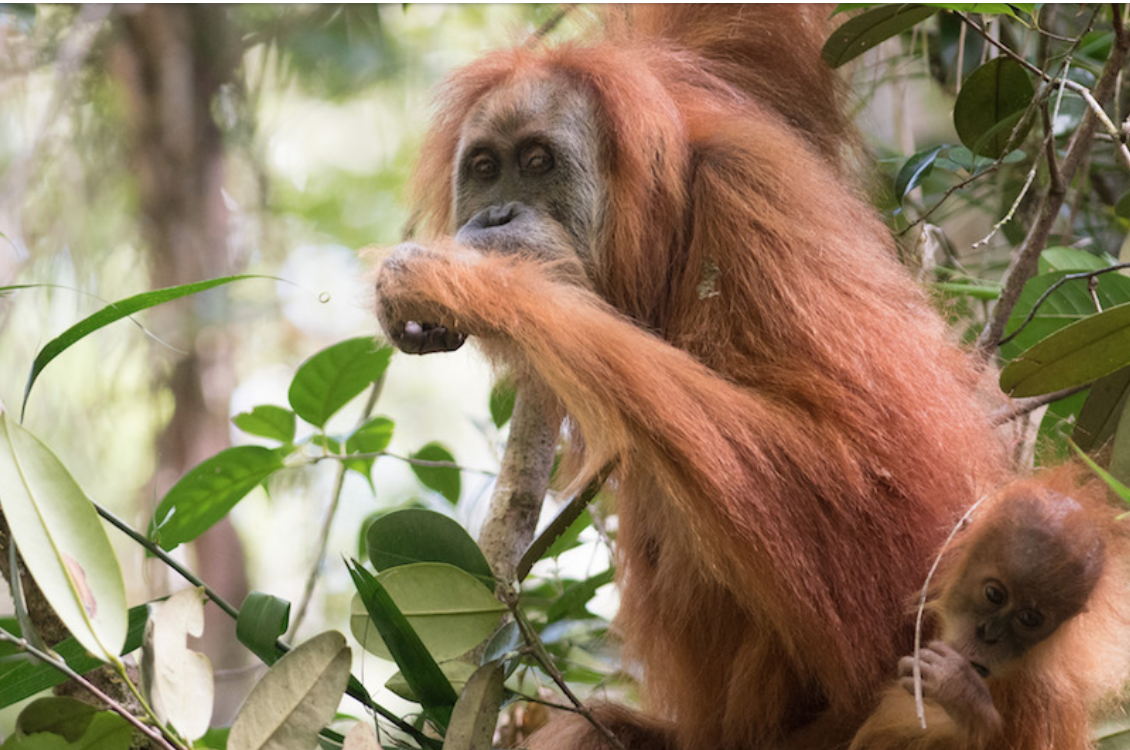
pixel 1035 615
pixel 658 225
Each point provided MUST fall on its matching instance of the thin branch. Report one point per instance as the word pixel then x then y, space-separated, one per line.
pixel 537 650
pixel 920 708
pixel 331 514
pixel 1026 257
pixel 551 23
pixel 154 734
pixel 1048 292
pixel 1019 407
pixel 405 459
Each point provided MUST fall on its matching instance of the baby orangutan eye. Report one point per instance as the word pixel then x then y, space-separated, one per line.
pixel 1030 618
pixel 995 594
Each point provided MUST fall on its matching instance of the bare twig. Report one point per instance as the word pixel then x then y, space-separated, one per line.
pixel 920 708
pixel 154 734
pixel 1019 407
pixel 331 514
pixel 1026 258
pixel 1089 275
pixel 537 650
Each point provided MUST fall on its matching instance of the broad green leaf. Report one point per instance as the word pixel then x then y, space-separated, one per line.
pixel 381 614
pixel 296 698
pixel 502 396
pixel 1070 303
pixel 1055 429
pixel 177 680
pixel 457 673
pixel 371 437
pixel 415 535
pixel 991 102
pixel 915 170
pixel 1101 411
pixel 1075 355
pixel 76 726
pixel 1069 259
pixel 263 618
pixel 449 610
pixel 476 712
pixel 62 541
pixel 208 491
pixel 113 313
pixel 23 677
pixel 573 599
pixel 334 376
pixel 443 479
pixel 267 421
pixel 870 29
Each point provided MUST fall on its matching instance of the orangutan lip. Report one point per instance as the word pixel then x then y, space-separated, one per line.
pixel 980 668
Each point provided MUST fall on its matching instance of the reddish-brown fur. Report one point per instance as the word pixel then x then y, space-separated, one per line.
pixel 1047 699
pixel 794 431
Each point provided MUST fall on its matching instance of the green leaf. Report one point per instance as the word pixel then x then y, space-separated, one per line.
pixel 67 724
pixel 476 712
pixel 457 673
pixel 443 479
pixel 1122 207
pixel 992 100
pixel 979 290
pixel 208 491
pixel 870 29
pixel 371 437
pixel 177 680
pixel 414 535
pixel 263 618
pixel 113 313
pixel 502 396
pixel 23 677
pixel 1069 259
pixel 334 376
pixel 296 698
pixel 1116 486
pixel 383 614
pixel 1069 303
pixel 573 599
pixel 1101 411
pixel 915 170
pixel 1075 355
pixel 267 421
pixel 448 609
pixel 62 541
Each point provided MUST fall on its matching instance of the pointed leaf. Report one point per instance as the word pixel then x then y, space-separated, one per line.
pixel 991 102
pixel 476 712
pixel 371 437
pixel 267 421
pixel 416 535
pixel 332 378
pixel 449 610
pixel 573 599
pixel 62 541
pixel 1075 355
pixel 208 491
pixel 443 479
pixel 115 312
pixel 1101 412
pixel 177 680
pixel 915 170
pixel 21 678
pixel 74 726
pixel 419 668
pixel 870 29
pixel 262 620
pixel 457 673
pixel 502 397
pixel 295 699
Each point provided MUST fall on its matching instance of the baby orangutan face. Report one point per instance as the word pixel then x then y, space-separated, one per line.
pixel 1027 571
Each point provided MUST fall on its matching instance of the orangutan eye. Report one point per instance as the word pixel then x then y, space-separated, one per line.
pixel 1030 618
pixel 484 166
pixel 995 594
pixel 536 160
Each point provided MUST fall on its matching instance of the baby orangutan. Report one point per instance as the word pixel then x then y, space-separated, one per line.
pixel 1032 607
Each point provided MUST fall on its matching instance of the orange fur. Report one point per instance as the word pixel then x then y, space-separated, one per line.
pixel 1047 701
pixel 795 432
